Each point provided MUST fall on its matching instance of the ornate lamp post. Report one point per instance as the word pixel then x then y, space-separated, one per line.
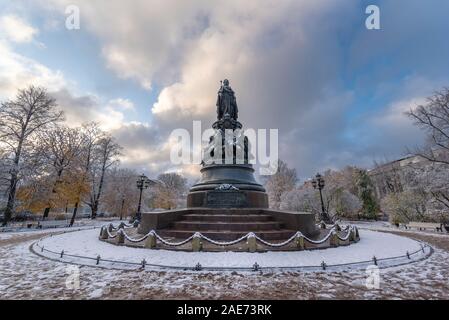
pixel 318 183
pixel 142 183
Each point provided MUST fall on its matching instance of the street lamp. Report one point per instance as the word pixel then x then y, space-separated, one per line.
pixel 318 183
pixel 142 183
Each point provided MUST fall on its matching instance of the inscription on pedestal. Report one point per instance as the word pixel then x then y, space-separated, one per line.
pixel 226 199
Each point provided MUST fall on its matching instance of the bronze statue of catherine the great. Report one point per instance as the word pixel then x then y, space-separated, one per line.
pixel 226 102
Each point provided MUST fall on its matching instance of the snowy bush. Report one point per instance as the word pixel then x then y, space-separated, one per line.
pixel 347 205
pixel 337 202
pixel 406 206
pixel 302 200
pixel 282 182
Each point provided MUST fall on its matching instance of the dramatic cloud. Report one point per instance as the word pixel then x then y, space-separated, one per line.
pixel 335 90
pixel 16 30
pixel 17 71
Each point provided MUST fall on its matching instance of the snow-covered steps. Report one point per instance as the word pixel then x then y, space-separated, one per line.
pixel 228 217
pixel 228 235
pixel 230 226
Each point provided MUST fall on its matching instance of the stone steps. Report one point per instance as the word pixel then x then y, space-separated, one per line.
pixel 227 226
pixel 225 235
pixel 224 224
pixel 228 217
pixel 226 211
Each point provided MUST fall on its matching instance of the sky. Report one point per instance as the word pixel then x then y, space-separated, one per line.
pixel 336 91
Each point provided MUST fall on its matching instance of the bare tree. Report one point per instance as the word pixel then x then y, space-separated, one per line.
pixel 430 179
pixel 406 206
pixel 282 181
pixel 4 176
pixel 301 200
pixel 91 135
pixel 338 202
pixel 121 195
pixel 31 112
pixel 106 153
pixel 169 190
pixel 62 148
pixel 433 117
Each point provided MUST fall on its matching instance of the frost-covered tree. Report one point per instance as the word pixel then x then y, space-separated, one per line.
pixel 105 155
pixel 282 181
pixel 346 205
pixel 169 189
pixel 61 150
pixel 432 179
pixel 3 178
pixel 121 195
pixel 32 111
pixel 338 202
pixel 406 206
pixel 433 117
pixel 301 200
pixel 91 134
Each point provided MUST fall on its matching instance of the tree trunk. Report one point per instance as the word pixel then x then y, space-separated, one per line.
pixel 97 198
pixel 11 199
pixel 13 184
pixel 94 210
pixel 75 210
pixel 46 212
pixel 121 209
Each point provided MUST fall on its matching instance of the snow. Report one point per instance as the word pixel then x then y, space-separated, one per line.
pixel 26 275
pixel 97 293
pixel 79 226
pixel 4 236
pixel 372 243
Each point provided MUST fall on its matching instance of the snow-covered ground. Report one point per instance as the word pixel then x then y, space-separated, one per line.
pixel 25 275
pixel 372 243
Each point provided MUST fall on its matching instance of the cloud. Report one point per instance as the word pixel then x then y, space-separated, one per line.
pixel 18 71
pixel 16 30
pixel 307 68
pixel 143 41
pixel 142 148
pixel 123 104
pixel 284 61
pixel 386 132
pixel 86 108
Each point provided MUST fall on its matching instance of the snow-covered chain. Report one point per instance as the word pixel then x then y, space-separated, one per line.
pixel 349 229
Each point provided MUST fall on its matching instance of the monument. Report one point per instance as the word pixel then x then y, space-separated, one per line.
pixel 228 203
pixel 227 177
